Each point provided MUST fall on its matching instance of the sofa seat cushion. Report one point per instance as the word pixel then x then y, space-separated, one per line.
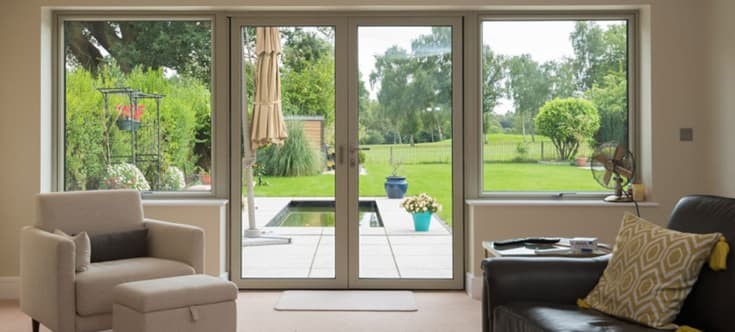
pixel 94 286
pixel 537 317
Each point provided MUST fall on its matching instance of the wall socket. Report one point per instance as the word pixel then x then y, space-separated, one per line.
pixel 686 134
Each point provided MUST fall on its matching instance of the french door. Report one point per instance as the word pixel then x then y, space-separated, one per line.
pixel 362 98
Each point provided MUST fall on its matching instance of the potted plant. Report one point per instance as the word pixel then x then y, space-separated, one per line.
pixel 580 161
pixel 395 185
pixel 129 117
pixel 204 177
pixel 421 207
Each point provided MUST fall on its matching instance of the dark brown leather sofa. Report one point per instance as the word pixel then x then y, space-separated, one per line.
pixel 539 294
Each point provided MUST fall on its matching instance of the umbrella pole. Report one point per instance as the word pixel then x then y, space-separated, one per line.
pixel 252 230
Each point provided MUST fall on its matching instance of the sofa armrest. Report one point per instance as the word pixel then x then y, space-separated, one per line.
pixel 47 275
pixel 183 243
pixel 539 279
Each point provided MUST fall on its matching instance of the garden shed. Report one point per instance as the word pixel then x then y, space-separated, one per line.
pixel 313 128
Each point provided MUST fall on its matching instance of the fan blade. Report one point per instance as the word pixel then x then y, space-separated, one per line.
pixel 619 152
pixel 602 158
pixel 608 175
pixel 624 172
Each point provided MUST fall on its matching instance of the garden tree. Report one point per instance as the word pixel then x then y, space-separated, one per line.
pixel 492 88
pixel 568 123
pixel 528 86
pixel 184 46
pixel 392 72
pixel 610 100
pixel 597 52
pixel 307 74
pixel 560 75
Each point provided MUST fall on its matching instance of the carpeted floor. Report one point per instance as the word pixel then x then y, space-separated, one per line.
pixel 438 311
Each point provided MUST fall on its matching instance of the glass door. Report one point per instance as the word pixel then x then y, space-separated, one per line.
pixel 405 138
pixel 286 76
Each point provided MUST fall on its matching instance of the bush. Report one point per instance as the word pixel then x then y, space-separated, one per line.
pixel 173 179
pixel 92 138
pixel 294 158
pixel 567 122
pixel 124 176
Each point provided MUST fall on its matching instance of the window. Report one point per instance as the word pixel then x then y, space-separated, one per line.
pixel 136 107
pixel 553 89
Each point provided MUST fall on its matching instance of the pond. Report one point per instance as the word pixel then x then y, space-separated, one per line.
pixel 321 214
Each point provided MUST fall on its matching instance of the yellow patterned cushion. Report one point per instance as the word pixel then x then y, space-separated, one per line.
pixel 650 273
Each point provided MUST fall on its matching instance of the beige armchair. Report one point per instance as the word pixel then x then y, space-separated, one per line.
pixel 53 294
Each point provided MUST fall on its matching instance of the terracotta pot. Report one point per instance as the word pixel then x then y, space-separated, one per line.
pixel 581 161
pixel 205 178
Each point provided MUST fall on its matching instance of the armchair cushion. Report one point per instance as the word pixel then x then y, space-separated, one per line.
pixel 94 212
pixel 536 317
pixel 94 286
pixel 82 249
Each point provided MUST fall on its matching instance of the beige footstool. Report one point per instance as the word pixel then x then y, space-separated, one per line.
pixel 182 304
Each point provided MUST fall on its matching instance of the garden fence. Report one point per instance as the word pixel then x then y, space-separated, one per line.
pixel 492 152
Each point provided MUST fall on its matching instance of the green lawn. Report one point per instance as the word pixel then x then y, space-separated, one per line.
pixel 435 179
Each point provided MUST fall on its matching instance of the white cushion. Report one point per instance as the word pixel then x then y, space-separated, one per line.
pixel 94 286
pixel 83 249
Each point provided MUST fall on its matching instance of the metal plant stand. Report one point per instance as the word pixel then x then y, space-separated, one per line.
pixel 144 148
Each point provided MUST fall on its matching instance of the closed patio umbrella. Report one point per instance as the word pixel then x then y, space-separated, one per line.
pixel 267 126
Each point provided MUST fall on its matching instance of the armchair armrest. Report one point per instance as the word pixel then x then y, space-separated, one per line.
pixel 47 276
pixel 538 279
pixel 183 243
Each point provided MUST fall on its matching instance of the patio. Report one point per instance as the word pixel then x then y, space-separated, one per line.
pixel 392 251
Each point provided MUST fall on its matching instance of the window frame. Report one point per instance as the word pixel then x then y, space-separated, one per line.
pixel 218 94
pixel 633 80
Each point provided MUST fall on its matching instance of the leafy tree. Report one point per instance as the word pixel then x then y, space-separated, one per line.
pixel 528 86
pixel 493 67
pixel 567 122
pixel 598 52
pixel 610 99
pixel 184 46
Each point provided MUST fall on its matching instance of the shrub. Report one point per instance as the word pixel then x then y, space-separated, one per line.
pixel 361 157
pixel 294 158
pixel 173 179
pixel 567 122
pixel 124 176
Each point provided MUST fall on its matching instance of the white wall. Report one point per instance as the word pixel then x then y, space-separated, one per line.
pixel 677 87
pixel 721 97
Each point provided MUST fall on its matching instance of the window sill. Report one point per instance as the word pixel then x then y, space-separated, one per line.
pixel 185 202
pixel 554 203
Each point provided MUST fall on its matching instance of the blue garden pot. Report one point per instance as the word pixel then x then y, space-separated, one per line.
pixel 421 221
pixel 395 186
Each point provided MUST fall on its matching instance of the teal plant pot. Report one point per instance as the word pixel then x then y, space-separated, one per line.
pixel 421 221
pixel 128 124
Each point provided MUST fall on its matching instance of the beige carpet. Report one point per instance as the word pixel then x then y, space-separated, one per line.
pixel 346 300
pixel 439 311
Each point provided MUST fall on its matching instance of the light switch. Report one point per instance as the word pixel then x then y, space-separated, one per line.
pixel 686 134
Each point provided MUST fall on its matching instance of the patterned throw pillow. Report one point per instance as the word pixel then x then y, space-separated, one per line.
pixel 650 273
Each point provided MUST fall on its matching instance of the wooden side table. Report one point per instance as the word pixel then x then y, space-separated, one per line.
pixel 529 250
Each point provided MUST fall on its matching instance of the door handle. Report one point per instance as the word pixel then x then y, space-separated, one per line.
pixel 341 155
pixel 353 154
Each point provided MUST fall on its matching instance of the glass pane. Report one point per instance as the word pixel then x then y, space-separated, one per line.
pixel 137 110
pixel 552 91
pixel 293 178
pixel 405 121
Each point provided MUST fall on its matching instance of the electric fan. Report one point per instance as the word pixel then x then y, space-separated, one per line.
pixel 613 166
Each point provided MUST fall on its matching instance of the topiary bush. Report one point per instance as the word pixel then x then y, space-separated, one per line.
pixel 124 176
pixel 294 158
pixel 567 122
